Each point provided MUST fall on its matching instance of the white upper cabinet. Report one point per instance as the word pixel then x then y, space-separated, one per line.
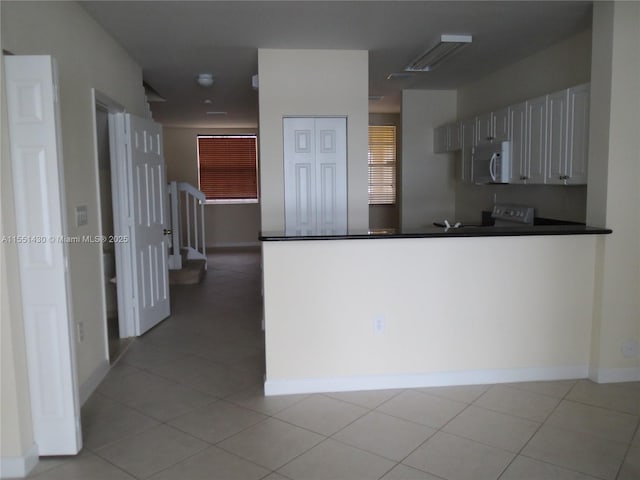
pixel 549 137
pixel 484 127
pixel 468 136
pixel 536 150
pixel 500 124
pixel 568 134
pixel 493 126
pixel 518 130
pixel 557 136
pixel 577 135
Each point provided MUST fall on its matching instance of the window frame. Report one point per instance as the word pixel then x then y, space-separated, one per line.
pixel 376 201
pixel 229 201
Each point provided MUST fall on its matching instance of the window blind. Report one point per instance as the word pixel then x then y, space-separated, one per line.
pixel 227 167
pixel 382 164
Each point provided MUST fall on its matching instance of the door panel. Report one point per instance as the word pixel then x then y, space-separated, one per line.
pixel 147 197
pixel 536 139
pixel 299 174
pixel 38 180
pixel 578 144
pixel 518 130
pixel 557 138
pixel 315 167
pixel 331 174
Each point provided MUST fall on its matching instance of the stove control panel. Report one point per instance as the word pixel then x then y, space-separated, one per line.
pixel 512 214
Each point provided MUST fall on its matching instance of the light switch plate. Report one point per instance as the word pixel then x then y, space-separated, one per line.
pixel 81 216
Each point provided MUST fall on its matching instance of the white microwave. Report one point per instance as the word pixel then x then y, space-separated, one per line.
pixel 491 162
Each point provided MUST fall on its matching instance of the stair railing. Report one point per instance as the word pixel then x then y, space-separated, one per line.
pixel 187 224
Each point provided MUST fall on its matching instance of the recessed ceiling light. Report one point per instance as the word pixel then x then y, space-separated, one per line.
pixel 208 101
pixel 205 79
pixel 216 113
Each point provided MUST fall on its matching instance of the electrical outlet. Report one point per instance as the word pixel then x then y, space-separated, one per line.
pixel 379 324
pixel 80 327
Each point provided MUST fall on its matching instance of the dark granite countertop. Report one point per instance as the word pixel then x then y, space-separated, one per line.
pixel 435 232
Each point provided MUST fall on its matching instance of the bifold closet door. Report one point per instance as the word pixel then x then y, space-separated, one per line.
pixel 315 171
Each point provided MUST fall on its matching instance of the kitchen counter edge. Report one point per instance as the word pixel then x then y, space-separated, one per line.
pixel 436 232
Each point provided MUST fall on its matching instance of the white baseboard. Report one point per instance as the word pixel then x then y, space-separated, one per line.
pixel 19 467
pixel 421 380
pixel 90 385
pixel 614 375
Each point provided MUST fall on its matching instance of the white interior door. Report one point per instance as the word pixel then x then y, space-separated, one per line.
pixel 142 221
pixel 331 174
pixel 315 172
pixel 36 161
pixel 299 175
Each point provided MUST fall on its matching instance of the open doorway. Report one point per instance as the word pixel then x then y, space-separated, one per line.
pixel 116 343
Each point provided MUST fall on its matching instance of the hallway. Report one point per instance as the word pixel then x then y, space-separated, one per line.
pixel 185 402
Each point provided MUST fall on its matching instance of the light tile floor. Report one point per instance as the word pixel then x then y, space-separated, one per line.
pixel 185 402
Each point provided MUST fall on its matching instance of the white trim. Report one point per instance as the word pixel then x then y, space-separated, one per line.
pixel 420 380
pixel 90 385
pixel 19 467
pixel 614 375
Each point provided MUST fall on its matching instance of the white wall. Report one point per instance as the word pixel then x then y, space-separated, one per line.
pixel 427 179
pixel 86 58
pixel 614 189
pixel 454 311
pixel 225 224
pixel 563 65
pixel 310 83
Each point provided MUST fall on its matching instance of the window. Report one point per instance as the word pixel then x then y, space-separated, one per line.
pixel 227 168
pixel 382 165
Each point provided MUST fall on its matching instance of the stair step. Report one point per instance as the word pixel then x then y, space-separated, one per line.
pixel 192 273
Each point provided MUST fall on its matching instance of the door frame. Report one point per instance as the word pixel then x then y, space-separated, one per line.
pixel 126 324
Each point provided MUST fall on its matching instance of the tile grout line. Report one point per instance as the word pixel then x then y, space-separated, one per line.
pixel 629 447
pixel 519 453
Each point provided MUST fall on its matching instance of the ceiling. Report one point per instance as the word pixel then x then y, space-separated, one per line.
pixel 174 41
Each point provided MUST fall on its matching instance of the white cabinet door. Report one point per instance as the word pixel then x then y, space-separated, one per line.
pixel 453 137
pixel 557 138
pixel 518 132
pixel 440 141
pixel 315 173
pixel 468 135
pixel 578 135
pixel 484 127
pixel 500 127
pixel 536 140
pixel 38 183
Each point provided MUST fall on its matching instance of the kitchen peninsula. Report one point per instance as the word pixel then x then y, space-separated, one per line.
pixel 396 309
